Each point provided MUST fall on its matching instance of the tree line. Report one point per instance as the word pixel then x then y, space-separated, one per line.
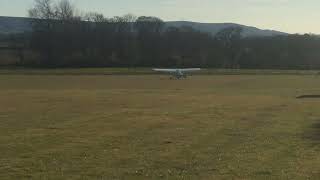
pixel 62 37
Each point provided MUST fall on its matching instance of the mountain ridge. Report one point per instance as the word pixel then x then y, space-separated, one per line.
pixel 14 25
pixel 213 28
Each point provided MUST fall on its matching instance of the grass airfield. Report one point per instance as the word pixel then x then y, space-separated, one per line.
pixel 93 126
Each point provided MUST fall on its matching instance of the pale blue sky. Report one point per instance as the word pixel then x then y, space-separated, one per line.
pixel 294 16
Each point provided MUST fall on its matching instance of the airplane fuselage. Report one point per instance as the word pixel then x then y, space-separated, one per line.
pixel 178 73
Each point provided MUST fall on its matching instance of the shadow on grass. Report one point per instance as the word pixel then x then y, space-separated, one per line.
pixel 308 96
pixel 313 134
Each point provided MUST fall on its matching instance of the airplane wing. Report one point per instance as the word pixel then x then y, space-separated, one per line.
pixel 165 70
pixel 190 69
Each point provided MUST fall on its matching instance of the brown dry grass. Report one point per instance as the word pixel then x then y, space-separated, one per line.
pixel 149 127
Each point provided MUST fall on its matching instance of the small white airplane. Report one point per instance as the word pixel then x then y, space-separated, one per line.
pixel 177 73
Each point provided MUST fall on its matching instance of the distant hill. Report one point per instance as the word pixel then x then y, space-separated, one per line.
pixel 214 28
pixel 13 25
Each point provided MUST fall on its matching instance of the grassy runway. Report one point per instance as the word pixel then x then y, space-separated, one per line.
pixel 150 127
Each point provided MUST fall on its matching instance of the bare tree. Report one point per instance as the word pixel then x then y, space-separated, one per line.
pixel 43 22
pixel 43 9
pixel 130 19
pixel 230 38
pixel 64 10
pixel 148 25
pixel 54 29
pixel 95 17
